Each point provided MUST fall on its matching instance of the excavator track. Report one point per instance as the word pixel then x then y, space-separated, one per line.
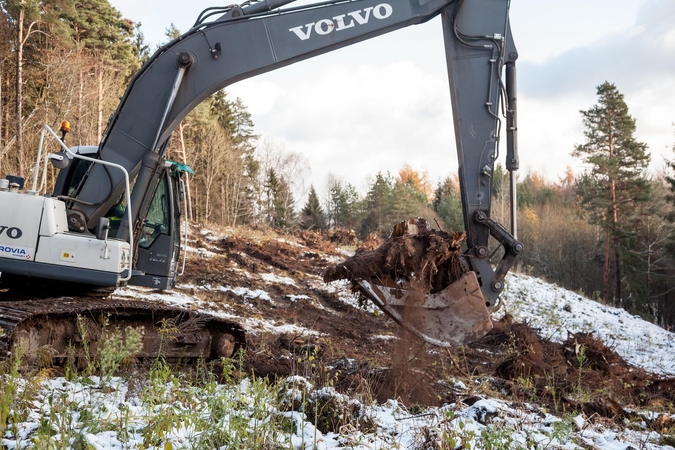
pixel 49 330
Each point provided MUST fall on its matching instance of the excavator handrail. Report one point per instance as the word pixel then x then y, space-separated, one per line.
pixel 47 129
pixel 185 222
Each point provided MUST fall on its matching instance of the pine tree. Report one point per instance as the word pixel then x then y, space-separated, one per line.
pixel 349 209
pixel 312 215
pixel 98 27
pixel 140 48
pixel 343 207
pixel 448 205
pixel 240 171
pixel 279 201
pixel 378 203
pixel 410 195
pixel 616 180
pixel 235 118
pixel 171 32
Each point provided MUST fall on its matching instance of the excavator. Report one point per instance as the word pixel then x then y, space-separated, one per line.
pixel 114 215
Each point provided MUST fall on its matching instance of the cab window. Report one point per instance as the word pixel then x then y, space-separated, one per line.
pixel 158 219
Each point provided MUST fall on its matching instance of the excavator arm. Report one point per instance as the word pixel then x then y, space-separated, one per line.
pixel 234 43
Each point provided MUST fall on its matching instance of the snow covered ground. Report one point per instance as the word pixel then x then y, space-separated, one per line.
pixel 168 413
pixel 555 312
pixel 108 415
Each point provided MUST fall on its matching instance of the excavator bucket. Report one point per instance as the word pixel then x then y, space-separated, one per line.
pixel 457 315
pixel 420 278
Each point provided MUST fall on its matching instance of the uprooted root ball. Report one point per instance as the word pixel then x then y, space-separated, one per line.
pixel 429 260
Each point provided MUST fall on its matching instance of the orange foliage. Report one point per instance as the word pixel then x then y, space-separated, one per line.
pixel 565 186
pixel 529 221
pixel 408 175
pixel 536 181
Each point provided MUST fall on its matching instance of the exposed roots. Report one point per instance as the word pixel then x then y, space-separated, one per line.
pixel 428 260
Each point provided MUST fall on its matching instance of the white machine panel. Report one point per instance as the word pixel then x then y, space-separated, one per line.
pixel 19 225
pixel 54 219
pixel 74 250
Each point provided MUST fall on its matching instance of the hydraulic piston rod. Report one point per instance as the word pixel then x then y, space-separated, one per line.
pixel 512 162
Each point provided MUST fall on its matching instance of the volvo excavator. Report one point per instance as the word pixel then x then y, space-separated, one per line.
pixel 113 217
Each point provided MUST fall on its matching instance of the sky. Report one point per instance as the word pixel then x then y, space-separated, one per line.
pixel 377 105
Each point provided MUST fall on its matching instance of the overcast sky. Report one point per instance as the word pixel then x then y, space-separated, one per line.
pixel 381 103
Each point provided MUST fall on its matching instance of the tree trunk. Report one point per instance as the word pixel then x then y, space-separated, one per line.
pixel 2 104
pixel 207 200
pixel 188 196
pixel 99 130
pixel 80 101
pixel 19 82
pixel 617 275
pixel 616 242
pixel 238 199
pixel 223 219
pixel 7 108
pixel 605 268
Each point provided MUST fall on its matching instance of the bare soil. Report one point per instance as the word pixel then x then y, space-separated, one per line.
pixel 369 355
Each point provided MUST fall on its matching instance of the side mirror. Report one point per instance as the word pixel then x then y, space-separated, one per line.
pixel 102 228
pixel 59 160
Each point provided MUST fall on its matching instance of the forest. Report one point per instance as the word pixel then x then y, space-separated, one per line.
pixel 608 232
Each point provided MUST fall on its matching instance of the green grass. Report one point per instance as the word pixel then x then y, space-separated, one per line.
pixel 163 407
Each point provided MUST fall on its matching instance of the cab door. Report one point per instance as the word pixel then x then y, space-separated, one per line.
pixel 158 245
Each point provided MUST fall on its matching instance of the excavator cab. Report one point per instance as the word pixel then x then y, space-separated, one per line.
pixel 158 235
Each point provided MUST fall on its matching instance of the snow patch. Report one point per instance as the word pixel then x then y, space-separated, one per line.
pixel 272 278
pixel 555 312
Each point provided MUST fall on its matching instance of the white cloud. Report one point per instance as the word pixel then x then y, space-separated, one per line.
pixel 638 60
pixel 357 120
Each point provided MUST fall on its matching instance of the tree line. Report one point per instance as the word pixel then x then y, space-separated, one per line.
pixel 608 231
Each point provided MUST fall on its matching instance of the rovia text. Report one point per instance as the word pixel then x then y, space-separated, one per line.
pixel 14 251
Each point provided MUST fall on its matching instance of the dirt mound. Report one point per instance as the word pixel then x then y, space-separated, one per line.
pixel 587 351
pixel 341 236
pixel 280 254
pixel 316 240
pixel 580 374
